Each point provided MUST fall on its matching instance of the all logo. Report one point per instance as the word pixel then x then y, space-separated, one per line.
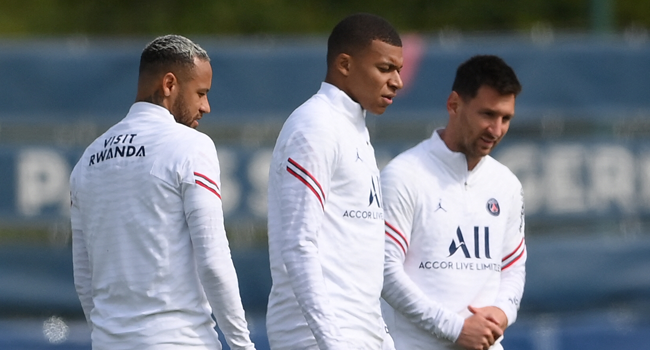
pixel 459 243
pixel 493 207
pixel 374 192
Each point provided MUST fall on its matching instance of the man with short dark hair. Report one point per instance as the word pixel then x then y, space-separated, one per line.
pixel 325 213
pixel 151 258
pixel 455 249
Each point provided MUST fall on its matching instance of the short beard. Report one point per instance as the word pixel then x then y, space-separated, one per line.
pixel 181 113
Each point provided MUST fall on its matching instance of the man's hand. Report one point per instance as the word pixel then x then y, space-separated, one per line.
pixel 493 314
pixel 479 332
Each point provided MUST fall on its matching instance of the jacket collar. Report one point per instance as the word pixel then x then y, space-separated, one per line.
pixel 456 161
pixel 344 104
pixel 140 108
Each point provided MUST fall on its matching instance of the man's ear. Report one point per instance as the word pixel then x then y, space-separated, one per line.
pixel 453 102
pixel 169 82
pixel 342 63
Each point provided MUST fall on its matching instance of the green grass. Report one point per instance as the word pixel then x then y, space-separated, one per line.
pixel 24 235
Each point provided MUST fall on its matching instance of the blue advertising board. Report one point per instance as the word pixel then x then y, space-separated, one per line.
pixel 561 179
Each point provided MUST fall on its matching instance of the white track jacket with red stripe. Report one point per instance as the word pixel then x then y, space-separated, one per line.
pixel 151 258
pixel 326 229
pixel 453 238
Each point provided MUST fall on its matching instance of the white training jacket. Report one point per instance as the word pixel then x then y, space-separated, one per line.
pixel 151 258
pixel 454 238
pixel 326 229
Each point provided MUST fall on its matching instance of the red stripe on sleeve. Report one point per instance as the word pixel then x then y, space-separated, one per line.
pixel 398 232
pixel 206 179
pixel 514 251
pixel 308 174
pixel 514 260
pixel 396 241
pixel 208 188
pixel 308 186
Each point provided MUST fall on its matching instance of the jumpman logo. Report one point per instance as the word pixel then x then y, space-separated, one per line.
pixel 358 157
pixel 440 206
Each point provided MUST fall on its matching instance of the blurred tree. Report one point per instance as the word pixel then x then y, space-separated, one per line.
pixel 631 12
pixel 146 17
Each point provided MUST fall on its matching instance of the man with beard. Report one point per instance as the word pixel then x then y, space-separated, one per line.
pixel 455 251
pixel 151 258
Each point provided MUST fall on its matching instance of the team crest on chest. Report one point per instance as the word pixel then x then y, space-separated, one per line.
pixel 493 207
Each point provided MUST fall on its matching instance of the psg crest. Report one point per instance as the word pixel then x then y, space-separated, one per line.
pixel 493 207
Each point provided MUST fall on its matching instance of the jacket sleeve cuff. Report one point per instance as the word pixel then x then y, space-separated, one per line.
pixel 508 309
pixel 451 329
